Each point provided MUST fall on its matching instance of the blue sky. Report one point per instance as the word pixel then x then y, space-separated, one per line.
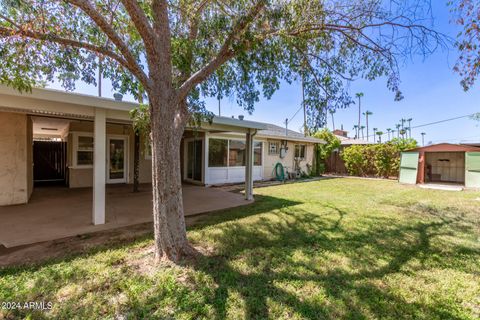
pixel 431 89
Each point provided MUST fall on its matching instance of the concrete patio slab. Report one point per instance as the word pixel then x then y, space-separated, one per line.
pixel 442 186
pixel 56 212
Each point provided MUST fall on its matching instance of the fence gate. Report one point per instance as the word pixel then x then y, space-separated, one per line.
pixel 409 167
pixel 472 169
pixel 49 162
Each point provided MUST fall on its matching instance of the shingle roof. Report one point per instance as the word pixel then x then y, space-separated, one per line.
pixel 274 131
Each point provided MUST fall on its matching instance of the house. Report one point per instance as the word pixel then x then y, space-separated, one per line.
pixel 335 163
pixel 80 141
pixel 441 163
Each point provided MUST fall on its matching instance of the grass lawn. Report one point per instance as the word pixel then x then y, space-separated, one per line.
pixel 329 249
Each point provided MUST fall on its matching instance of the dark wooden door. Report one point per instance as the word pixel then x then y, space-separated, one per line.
pixel 49 162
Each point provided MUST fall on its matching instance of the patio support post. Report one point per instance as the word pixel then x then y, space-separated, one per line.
pixel 99 174
pixel 249 166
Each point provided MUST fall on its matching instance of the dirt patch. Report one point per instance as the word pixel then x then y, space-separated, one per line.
pixel 39 252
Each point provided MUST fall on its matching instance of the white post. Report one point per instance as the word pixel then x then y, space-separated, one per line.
pixel 99 155
pixel 249 167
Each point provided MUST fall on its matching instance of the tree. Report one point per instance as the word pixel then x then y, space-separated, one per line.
pixel 181 51
pixel 359 95
pixel 466 14
pixel 361 129
pixel 366 114
pixel 356 128
pixel 379 134
pixel 388 131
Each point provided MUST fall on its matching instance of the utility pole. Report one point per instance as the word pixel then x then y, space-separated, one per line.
pixel 304 110
pixel 409 120
pixel 333 120
pixel 219 109
pixel 286 127
pixel 423 138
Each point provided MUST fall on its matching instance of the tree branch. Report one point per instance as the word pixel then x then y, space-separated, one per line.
pixel 224 54
pixel 36 35
pixel 103 24
pixel 140 20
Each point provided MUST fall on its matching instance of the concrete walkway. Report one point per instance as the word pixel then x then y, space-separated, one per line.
pixel 55 212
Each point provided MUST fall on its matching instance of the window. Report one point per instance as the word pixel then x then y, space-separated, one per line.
pixel 300 151
pixel 84 151
pixel 273 147
pixel 257 153
pixel 217 152
pixel 232 153
pixel 236 153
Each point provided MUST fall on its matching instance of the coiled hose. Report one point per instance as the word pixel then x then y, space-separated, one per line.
pixel 279 172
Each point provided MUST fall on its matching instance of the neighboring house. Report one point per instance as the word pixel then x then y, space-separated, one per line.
pixel 49 135
pixel 335 163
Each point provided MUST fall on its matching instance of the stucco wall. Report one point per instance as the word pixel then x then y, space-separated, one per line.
pixel 14 186
pixel 29 156
pixel 270 160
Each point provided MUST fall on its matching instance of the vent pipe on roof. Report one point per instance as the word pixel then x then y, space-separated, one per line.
pixel 118 96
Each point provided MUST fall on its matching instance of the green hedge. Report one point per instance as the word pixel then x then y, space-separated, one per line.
pixel 380 160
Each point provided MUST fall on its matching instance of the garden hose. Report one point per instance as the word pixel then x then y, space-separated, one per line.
pixel 279 172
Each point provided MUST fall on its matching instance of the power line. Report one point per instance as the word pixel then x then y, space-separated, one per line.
pixel 295 113
pixel 431 123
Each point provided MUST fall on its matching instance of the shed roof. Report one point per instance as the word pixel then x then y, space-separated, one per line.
pixel 447 147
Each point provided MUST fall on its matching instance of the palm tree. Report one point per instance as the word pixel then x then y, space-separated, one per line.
pixel 398 130
pixel 409 120
pixel 388 131
pixel 359 95
pixel 361 128
pixel 355 127
pixel 374 133
pixel 423 138
pixel 379 134
pixel 333 120
pixel 367 113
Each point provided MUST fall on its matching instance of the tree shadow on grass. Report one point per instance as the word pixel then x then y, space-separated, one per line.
pixel 258 262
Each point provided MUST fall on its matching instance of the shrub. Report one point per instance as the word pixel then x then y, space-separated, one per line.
pixel 381 160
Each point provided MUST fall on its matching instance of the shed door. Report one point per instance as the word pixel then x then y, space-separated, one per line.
pixel 409 167
pixel 472 169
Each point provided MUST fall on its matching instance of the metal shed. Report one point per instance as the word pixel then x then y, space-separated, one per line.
pixel 441 163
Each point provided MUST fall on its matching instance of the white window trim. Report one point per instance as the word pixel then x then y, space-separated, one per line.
pixel 127 159
pixel 228 151
pixel 278 145
pixel 75 136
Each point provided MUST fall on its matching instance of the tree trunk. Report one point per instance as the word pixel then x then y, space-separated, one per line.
pixel 167 126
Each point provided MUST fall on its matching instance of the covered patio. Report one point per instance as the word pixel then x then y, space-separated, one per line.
pixel 58 212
